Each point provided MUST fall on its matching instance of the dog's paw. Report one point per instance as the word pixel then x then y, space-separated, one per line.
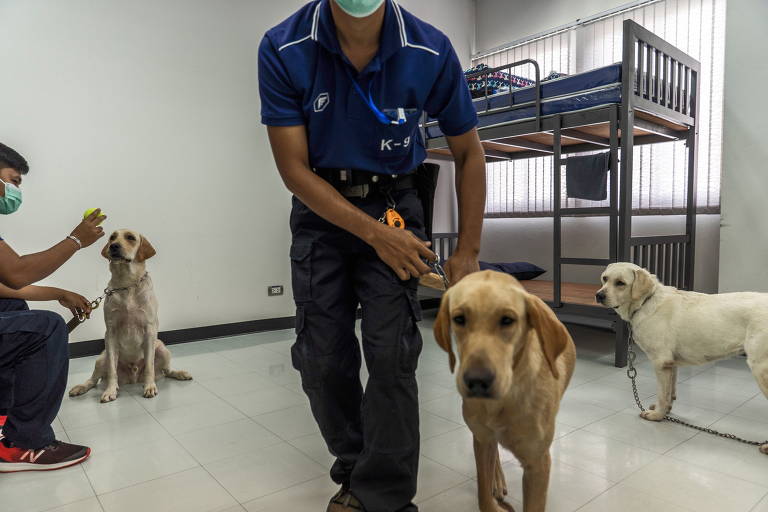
pixel 764 449
pixel 499 492
pixel 652 415
pixel 109 395
pixel 506 506
pixel 150 390
pixel 499 488
pixel 78 390
pixel 179 375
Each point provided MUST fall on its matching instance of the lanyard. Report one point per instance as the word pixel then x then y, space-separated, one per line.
pixel 368 99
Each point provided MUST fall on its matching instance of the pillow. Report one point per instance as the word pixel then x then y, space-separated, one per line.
pixel 553 75
pixel 520 270
pixel 499 81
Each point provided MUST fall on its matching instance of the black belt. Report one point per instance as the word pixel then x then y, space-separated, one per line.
pixel 355 183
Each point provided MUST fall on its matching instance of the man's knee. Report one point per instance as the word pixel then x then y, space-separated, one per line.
pixel 53 328
pixel 52 321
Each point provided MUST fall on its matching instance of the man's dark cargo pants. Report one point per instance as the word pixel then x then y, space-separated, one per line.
pixel 373 432
pixel 34 359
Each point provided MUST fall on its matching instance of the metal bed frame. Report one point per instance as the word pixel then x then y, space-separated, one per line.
pixel 659 97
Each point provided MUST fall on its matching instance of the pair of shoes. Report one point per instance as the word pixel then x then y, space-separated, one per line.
pixel 344 501
pixel 57 455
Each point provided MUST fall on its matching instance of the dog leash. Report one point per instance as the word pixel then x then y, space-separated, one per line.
pixel 82 317
pixel 440 272
pixel 632 374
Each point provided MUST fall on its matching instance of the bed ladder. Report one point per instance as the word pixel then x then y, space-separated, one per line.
pixel 611 211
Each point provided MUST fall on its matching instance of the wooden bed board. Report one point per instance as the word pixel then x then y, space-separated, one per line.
pixel 571 293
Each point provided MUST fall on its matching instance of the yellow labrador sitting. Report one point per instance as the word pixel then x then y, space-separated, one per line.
pixel 515 361
pixel 676 327
pixel 130 312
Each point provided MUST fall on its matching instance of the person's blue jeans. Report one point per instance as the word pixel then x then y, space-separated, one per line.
pixel 34 361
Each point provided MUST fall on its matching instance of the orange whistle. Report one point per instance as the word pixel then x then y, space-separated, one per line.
pixel 394 219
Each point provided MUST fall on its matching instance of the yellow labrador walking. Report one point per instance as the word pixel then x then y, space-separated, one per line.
pixel 515 361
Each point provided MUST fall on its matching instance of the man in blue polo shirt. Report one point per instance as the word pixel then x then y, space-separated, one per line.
pixel 343 84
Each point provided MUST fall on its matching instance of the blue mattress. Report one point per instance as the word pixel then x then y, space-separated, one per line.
pixel 593 88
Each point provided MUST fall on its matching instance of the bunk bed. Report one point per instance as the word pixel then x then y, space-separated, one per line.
pixel 650 97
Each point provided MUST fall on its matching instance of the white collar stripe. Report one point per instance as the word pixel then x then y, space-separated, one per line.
pixel 398 16
pixel 286 45
pixel 430 50
pixel 312 33
pixel 404 35
pixel 315 22
pixel 400 24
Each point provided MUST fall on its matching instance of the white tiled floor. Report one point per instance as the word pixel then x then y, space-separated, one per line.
pixel 240 437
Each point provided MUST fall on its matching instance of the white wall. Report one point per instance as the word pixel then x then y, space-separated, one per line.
pixel 150 110
pixel 744 235
pixel 502 21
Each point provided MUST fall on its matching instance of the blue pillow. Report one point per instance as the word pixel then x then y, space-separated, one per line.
pixel 520 270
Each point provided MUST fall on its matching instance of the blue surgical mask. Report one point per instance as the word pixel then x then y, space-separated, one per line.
pixel 11 201
pixel 359 8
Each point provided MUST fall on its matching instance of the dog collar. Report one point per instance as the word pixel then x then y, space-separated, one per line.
pixel 632 316
pixel 110 291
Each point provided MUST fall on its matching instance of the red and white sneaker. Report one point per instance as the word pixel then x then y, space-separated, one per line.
pixel 57 455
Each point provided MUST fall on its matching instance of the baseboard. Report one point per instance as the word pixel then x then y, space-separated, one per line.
pixel 94 347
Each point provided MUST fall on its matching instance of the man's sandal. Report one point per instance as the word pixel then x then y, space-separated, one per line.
pixel 344 501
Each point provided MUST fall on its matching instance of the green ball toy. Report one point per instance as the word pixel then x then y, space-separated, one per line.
pixel 89 211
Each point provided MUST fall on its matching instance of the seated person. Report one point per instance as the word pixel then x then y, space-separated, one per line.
pixel 34 350
pixel 15 300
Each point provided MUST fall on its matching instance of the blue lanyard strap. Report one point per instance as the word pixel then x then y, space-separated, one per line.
pixel 368 99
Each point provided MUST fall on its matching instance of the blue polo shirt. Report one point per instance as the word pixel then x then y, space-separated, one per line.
pixel 305 79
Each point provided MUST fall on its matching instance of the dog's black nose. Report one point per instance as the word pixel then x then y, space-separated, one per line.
pixel 114 247
pixel 600 297
pixel 479 381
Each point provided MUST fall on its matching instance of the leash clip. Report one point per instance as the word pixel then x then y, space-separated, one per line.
pixel 440 272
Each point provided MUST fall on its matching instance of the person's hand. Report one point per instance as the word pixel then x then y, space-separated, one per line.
pixel 76 303
pixel 459 265
pixel 89 230
pixel 403 252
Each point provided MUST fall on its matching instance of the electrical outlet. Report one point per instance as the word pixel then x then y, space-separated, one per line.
pixel 274 291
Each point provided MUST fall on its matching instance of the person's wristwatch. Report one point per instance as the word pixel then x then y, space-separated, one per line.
pixel 76 240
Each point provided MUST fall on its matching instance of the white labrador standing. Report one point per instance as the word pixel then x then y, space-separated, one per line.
pixel 676 327
pixel 130 312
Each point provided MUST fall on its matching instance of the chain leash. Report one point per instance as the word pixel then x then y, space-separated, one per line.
pixel 82 317
pixel 632 374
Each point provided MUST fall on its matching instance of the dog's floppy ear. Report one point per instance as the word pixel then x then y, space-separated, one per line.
pixel 642 285
pixel 145 251
pixel 442 329
pixel 552 334
pixel 105 250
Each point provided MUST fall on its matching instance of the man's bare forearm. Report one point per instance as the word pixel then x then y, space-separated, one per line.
pixel 329 204
pixel 470 189
pixel 20 271
pixel 289 147
pixel 32 293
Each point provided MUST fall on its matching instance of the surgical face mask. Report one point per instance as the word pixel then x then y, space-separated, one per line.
pixel 359 8
pixel 12 199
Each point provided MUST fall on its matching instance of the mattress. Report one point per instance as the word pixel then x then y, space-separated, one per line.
pixel 601 86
